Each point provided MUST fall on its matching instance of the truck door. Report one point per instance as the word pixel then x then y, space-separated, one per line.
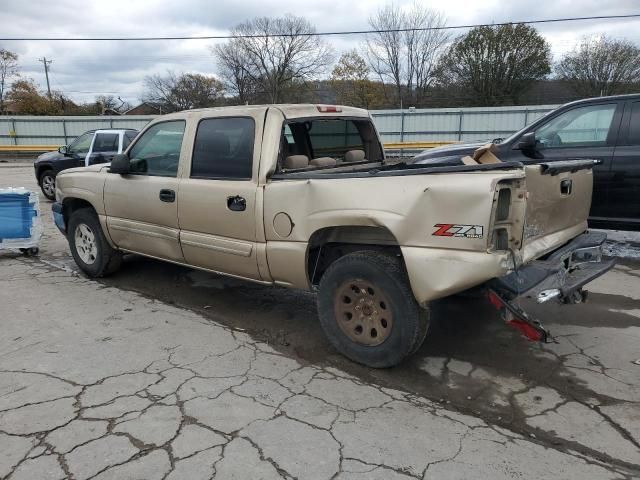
pixel 78 150
pixel 218 198
pixel 584 132
pixel 624 187
pixel 141 207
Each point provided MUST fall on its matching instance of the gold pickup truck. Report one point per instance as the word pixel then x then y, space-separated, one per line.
pixel 302 196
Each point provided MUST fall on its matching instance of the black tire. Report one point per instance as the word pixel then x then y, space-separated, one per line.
pixel 47 180
pixel 387 275
pixel 105 260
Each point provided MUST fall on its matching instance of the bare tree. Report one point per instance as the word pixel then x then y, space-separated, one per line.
pixel 182 91
pixel 8 70
pixel 109 102
pixel 406 47
pixel 496 64
pixel 275 52
pixel 233 61
pixel 601 66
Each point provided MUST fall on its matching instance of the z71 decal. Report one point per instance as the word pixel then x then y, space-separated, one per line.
pixel 455 230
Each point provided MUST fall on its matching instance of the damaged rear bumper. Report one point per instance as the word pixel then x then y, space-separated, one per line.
pixel 560 275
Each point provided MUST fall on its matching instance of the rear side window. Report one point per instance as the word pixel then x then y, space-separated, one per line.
pixel 223 148
pixel 634 126
pixel 106 142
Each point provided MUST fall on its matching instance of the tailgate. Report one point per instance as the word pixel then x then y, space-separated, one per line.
pixel 558 203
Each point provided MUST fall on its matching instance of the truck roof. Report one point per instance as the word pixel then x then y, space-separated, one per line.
pixel 93 130
pixel 591 100
pixel 289 110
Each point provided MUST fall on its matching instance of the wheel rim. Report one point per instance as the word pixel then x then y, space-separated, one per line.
pixel 363 312
pixel 85 242
pixel 49 185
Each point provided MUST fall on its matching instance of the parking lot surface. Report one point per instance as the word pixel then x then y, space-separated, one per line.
pixel 164 372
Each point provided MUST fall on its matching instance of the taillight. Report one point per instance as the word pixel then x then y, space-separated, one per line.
pixel 328 109
pixel 504 205
pixel 501 239
pixel 509 211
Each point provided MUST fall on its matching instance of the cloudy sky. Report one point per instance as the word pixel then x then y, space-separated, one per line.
pixel 85 69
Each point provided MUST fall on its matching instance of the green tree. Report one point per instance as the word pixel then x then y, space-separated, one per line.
pixel 496 64
pixel 183 91
pixel 8 70
pixel 350 80
pixel 28 100
pixel 601 66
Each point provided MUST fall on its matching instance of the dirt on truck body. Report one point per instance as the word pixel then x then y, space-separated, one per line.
pixel 301 196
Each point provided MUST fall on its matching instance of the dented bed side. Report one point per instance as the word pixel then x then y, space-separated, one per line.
pixel 441 222
pixel 455 230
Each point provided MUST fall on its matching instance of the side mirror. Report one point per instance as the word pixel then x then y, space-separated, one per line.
pixel 63 149
pixel 527 142
pixel 120 164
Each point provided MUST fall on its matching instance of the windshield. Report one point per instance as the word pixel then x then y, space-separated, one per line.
pixel 515 135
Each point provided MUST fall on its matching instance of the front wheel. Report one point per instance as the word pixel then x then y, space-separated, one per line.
pixel 48 184
pixel 89 247
pixel 367 309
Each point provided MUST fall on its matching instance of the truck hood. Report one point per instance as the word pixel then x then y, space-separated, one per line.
pixel 448 154
pixel 48 156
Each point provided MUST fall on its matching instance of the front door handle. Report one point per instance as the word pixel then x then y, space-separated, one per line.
pixel 167 195
pixel 236 204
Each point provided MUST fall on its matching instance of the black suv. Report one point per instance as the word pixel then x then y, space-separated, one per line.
pixel 94 146
pixel 605 128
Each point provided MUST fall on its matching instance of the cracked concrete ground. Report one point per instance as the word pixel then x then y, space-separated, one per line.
pixel 99 381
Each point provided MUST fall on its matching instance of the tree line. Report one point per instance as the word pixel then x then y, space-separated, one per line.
pixel 410 59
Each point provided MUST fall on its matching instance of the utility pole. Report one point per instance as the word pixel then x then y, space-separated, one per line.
pixel 46 72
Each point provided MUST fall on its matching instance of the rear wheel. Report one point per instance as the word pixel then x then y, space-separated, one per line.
pixel 89 247
pixel 368 311
pixel 48 184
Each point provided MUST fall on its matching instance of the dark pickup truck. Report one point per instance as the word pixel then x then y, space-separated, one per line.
pixel 90 148
pixel 605 129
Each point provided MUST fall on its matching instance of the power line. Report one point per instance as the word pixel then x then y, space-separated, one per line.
pixel 314 34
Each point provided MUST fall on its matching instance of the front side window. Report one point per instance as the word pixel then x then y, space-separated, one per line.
pixel 106 142
pixel 223 148
pixel 157 151
pixel 583 126
pixel 634 126
pixel 81 145
pixel 129 135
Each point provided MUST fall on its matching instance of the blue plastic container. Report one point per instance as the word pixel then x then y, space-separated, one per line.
pixel 16 216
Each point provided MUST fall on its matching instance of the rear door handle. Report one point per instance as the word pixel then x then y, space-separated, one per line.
pixel 236 204
pixel 167 195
